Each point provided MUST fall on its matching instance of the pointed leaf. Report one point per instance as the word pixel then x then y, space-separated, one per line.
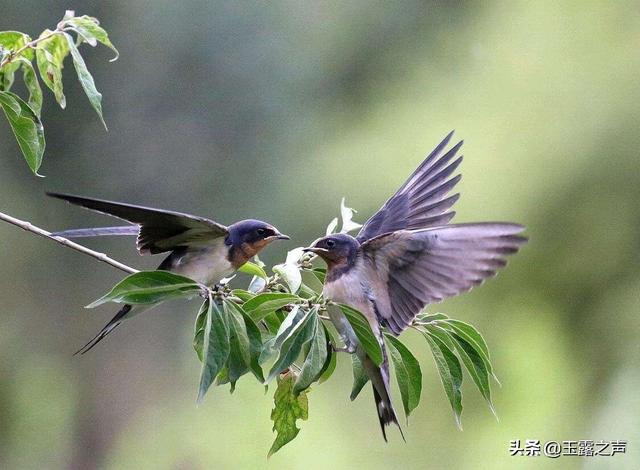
pixel 450 373
pixel 331 362
pixel 294 333
pixel 473 337
pixel 149 287
pixel 362 329
pixel 475 365
pixel 85 78
pixel 89 28
pixel 50 55
pixel 255 340
pixel 26 127
pixel 316 358
pixel 215 343
pixel 33 86
pixel 408 373
pixel 289 407
pixel 319 273
pixel 360 378
pixel 240 345
pixel 253 269
pixel 242 294
pixel 263 304
pixel 427 318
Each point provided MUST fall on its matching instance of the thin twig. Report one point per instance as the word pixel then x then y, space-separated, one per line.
pixel 30 45
pixel 29 227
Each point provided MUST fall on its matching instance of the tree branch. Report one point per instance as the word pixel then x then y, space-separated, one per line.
pixel 29 227
pixel 30 45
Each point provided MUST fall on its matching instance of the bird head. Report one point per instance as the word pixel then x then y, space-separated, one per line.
pixel 335 249
pixel 253 235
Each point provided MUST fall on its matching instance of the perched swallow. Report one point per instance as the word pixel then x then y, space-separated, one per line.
pixel 406 257
pixel 199 248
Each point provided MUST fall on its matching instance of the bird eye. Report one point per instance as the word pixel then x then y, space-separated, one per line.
pixel 330 243
pixel 261 231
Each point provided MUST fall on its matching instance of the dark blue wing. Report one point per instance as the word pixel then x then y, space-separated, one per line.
pixel 160 230
pixel 422 201
pixel 411 269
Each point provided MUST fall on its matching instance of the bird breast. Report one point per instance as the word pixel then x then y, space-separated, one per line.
pixel 205 264
pixel 351 288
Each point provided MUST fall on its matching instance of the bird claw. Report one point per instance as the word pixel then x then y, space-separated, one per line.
pixel 345 349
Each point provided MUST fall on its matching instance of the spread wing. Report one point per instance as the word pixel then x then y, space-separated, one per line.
pixel 422 267
pixel 159 230
pixel 422 201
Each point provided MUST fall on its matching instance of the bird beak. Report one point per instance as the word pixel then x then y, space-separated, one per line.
pixel 314 249
pixel 278 236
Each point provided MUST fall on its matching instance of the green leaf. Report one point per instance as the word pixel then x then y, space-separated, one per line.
pixel 255 340
pixel 473 337
pixel 408 373
pixel 215 345
pixel 360 378
pixel 362 329
pixel 316 359
pixel 240 351
pixel 14 40
pixel 296 330
pixel 475 365
pixel 331 362
pixel 253 270
pixel 11 42
pixel 263 304
pixel 86 80
pixel 319 273
pixel 149 287
pixel 201 324
pixel 289 407
pixel 50 55
pixel 91 31
pixel 272 322
pixel 450 373
pixel 427 318
pixel 33 86
pixel 242 294
pixel 26 127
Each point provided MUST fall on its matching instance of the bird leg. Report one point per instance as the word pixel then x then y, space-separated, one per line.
pixel 345 349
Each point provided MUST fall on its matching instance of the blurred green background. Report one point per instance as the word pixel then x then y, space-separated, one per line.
pixel 277 110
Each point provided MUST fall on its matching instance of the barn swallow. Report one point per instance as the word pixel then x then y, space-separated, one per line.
pixel 406 257
pixel 199 248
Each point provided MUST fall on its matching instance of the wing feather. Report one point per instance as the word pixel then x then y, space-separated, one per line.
pixel 160 230
pixel 421 267
pixel 422 200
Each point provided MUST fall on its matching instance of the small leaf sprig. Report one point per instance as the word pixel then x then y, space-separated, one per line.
pixel 48 51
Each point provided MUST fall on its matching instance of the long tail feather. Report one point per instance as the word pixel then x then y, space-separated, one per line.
pixel 109 327
pixel 98 231
pixel 379 376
